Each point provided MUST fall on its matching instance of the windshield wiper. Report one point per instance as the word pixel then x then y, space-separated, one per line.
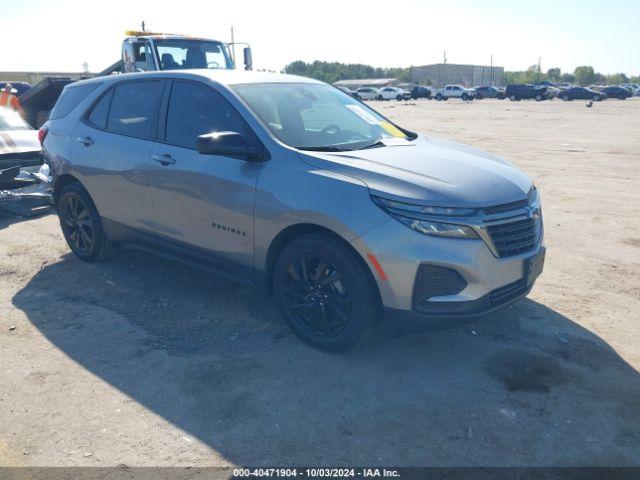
pixel 376 144
pixel 323 148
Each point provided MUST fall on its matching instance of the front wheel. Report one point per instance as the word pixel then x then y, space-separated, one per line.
pixel 539 98
pixel 513 98
pixel 81 224
pixel 326 293
pixel 439 96
pixel 465 97
pixel 379 97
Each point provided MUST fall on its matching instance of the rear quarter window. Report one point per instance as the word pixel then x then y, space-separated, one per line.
pixel 71 96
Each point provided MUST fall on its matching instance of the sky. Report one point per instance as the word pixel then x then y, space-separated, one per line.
pixel 61 35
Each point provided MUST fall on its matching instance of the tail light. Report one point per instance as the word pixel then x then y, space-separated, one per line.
pixel 42 134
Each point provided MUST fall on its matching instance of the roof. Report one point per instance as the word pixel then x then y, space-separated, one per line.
pixel 224 77
pixel 368 82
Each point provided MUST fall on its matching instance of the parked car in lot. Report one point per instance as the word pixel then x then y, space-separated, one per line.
pixel 420 91
pixel 368 93
pixel 350 92
pixel 20 149
pixel 391 93
pixel 581 93
pixel 489 91
pixel 454 91
pixel 620 93
pixel 284 182
pixel 526 91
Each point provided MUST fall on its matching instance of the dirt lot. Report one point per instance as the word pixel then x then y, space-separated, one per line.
pixel 140 361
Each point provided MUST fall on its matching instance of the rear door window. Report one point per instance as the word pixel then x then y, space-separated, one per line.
pixel 134 108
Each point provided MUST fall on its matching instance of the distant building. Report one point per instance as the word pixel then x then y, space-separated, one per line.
pixel 441 74
pixel 365 82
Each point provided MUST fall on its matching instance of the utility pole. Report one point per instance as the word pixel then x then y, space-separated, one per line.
pixel 445 56
pixel 143 25
pixel 539 63
pixel 491 69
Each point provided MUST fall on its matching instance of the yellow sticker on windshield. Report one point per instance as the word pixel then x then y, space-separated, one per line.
pixel 392 130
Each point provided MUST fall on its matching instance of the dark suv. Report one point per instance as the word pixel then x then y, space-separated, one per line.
pixel 526 91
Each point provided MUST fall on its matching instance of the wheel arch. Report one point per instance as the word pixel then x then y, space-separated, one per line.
pixel 60 183
pixel 292 232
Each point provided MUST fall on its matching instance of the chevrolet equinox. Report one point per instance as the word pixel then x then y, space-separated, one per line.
pixel 289 183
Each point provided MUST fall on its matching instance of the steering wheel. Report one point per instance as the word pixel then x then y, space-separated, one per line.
pixel 332 129
pixel 214 64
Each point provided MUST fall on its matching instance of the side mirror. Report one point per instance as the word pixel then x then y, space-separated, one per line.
pixel 227 144
pixel 248 58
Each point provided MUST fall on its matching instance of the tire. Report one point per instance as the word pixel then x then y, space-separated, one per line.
pixel 379 97
pixel 597 98
pixel 81 225
pixel 513 98
pixel 335 316
pixel 479 97
pixel 439 97
pixel 539 98
pixel 565 98
pixel 465 97
pixel 399 98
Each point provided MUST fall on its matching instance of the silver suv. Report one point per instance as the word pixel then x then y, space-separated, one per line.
pixel 289 183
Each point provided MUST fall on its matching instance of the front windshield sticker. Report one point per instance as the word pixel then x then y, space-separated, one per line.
pixel 364 115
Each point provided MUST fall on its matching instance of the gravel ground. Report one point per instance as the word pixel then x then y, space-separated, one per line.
pixel 144 362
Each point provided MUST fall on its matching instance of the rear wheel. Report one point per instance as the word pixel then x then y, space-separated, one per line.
pixel 379 97
pixel 399 98
pixel 539 98
pixel 513 98
pixel 326 293
pixel 81 224
pixel 439 96
pixel 465 96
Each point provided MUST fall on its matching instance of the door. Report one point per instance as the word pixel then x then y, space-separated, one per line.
pixel 203 203
pixel 111 150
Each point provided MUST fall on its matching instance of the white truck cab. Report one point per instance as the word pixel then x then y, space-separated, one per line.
pixel 454 91
pixel 146 51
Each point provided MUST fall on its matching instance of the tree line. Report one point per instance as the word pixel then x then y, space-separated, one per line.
pixel 331 72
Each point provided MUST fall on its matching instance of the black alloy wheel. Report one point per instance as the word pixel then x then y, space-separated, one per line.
pixel 316 296
pixel 326 292
pixel 81 224
pixel 77 225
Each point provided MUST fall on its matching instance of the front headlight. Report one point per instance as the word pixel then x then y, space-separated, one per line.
pixel 418 218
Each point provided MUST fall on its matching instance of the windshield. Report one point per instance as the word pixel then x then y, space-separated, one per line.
pixel 317 116
pixel 187 54
pixel 10 120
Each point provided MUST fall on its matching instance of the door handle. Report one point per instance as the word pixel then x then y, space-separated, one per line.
pixel 164 159
pixel 86 141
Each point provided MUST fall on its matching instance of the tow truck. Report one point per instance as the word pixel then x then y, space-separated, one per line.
pixel 141 51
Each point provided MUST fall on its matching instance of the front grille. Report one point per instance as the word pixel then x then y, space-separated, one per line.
pixel 513 238
pixel 506 293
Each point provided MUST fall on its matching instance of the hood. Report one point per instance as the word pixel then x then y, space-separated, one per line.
pixel 429 171
pixel 19 141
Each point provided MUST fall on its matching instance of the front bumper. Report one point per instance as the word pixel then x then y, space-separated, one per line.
pixel 491 282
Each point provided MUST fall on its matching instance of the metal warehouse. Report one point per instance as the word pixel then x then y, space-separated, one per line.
pixel 441 74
